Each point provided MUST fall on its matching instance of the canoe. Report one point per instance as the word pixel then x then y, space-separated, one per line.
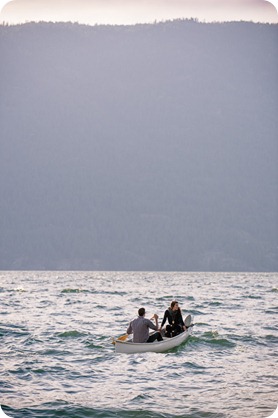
pixel 129 347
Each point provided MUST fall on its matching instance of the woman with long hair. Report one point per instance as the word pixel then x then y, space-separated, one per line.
pixel 174 316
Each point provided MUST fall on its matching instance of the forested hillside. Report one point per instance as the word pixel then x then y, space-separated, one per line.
pixel 148 147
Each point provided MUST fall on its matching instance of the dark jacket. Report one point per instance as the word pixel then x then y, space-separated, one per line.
pixel 174 317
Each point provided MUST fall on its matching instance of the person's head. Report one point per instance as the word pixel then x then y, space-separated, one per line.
pixel 141 311
pixel 174 305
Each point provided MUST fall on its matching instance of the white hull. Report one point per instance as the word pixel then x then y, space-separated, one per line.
pixel 129 347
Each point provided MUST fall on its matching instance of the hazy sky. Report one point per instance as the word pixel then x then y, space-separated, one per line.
pixel 137 11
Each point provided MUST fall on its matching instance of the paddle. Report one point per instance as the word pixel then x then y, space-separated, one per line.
pixel 188 321
pixel 121 338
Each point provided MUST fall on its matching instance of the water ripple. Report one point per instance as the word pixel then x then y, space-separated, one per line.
pixel 58 360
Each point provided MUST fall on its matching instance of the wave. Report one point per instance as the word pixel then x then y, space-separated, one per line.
pixel 16 289
pixel 272 311
pixel 69 290
pixel 251 297
pixel 94 346
pixel 53 352
pixel 71 334
pixel 211 338
pixel 197 312
pixel 194 366
pixel 13 330
pixel 94 292
pixel 215 303
pixel 53 410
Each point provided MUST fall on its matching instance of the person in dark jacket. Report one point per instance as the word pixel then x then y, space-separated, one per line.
pixel 174 316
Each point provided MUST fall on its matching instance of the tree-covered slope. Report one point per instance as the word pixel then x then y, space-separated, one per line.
pixel 150 147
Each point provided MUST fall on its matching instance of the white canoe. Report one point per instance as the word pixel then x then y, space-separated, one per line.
pixel 129 347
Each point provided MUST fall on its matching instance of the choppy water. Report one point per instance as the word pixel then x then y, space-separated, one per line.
pixel 57 359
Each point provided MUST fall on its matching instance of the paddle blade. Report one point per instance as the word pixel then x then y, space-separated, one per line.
pixel 187 321
pixel 121 338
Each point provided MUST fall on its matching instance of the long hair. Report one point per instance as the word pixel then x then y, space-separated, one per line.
pixel 173 303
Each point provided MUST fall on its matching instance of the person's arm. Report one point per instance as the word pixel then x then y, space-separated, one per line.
pixel 129 329
pixel 156 320
pixel 181 322
pixel 151 325
pixel 164 318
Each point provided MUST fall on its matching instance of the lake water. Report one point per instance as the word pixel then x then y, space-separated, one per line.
pixel 57 360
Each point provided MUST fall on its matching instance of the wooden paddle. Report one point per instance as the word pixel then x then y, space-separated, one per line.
pixel 121 338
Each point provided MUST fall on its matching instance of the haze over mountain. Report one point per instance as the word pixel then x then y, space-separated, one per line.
pixel 147 147
pixel 137 11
